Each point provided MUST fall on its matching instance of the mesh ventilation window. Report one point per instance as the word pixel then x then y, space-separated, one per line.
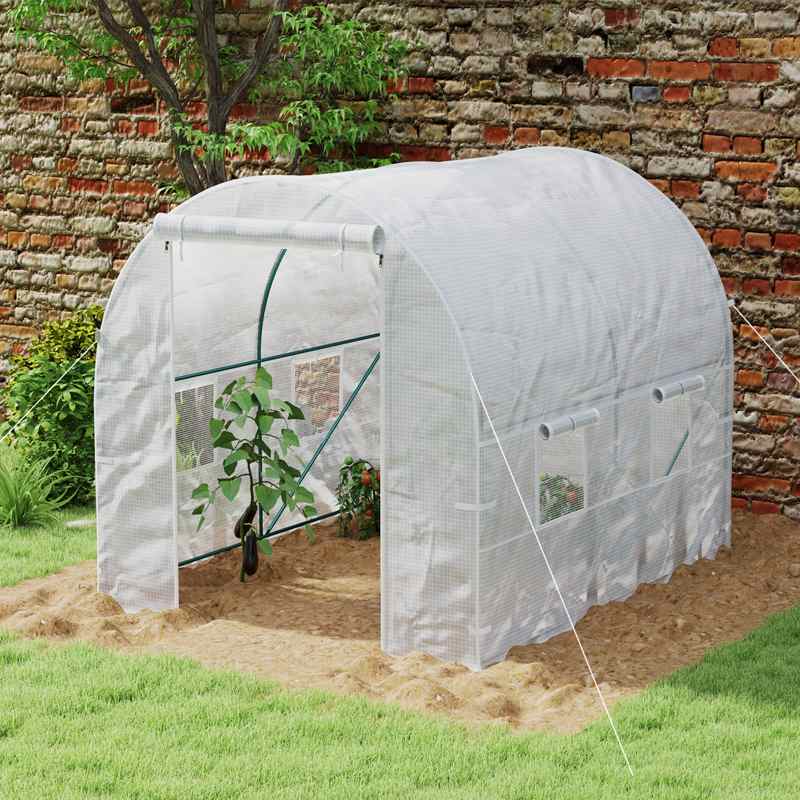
pixel 561 476
pixel 317 389
pixel 671 437
pixel 194 409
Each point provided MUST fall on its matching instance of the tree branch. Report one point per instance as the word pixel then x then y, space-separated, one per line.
pixel 265 46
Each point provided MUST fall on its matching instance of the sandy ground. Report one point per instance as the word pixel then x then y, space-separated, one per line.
pixel 310 618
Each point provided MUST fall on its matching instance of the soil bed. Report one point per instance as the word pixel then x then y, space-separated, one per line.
pixel 310 618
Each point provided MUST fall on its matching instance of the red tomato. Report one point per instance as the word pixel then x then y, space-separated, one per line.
pixel 572 496
pixel 366 478
pixel 378 476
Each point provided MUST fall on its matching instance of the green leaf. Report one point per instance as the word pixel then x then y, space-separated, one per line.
pixel 244 400
pixel 225 440
pixel 310 511
pixel 265 546
pixel 262 396
pixel 263 379
pixel 202 492
pixel 265 422
pixel 230 487
pixel 229 388
pixel 199 510
pixel 266 496
pixel 310 534
pixel 295 412
pixel 216 427
pixel 234 457
pixel 289 438
pixel 302 495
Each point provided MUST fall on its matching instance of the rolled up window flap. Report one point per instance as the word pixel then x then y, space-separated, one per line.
pixel 568 423
pixel 669 391
pixel 330 236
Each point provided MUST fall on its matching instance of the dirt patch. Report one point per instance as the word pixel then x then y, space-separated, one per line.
pixel 310 618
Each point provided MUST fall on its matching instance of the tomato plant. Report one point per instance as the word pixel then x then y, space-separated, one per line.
pixel 558 496
pixel 359 495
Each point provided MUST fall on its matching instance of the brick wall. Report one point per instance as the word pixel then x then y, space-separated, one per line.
pixel 700 96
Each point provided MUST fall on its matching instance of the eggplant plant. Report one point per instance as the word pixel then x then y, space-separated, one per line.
pixel 254 428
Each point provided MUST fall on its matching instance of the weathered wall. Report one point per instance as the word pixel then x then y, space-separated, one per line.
pixel 699 96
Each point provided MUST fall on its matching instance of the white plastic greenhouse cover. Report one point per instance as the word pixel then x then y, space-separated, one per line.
pixel 581 301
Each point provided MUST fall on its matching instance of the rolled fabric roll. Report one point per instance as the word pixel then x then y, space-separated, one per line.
pixel 670 390
pixel 568 423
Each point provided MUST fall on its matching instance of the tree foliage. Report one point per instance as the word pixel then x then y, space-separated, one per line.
pixel 321 76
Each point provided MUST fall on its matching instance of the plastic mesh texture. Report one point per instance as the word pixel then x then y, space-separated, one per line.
pixel 560 280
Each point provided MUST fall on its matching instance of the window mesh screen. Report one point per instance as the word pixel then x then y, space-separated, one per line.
pixel 317 385
pixel 194 409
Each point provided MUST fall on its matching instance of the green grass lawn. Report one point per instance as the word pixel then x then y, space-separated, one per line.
pixel 78 722
pixel 35 552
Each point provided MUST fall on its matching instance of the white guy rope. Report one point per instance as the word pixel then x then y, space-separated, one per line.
pixel 47 392
pixel 553 578
pixel 771 348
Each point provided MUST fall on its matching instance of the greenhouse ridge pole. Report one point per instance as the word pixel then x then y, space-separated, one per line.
pixel 552 574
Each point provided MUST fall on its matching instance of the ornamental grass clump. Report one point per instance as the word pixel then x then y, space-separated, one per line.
pixel 29 490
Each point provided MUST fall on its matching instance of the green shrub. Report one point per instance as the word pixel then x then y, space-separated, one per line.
pixel 28 489
pixel 57 427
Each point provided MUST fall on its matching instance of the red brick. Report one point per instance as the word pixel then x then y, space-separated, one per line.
pixel 759 171
pixel 124 126
pixel 724 47
pixel 716 144
pixel 751 192
pixel 729 284
pixel 414 152
pixel 108 245
pixel 133 187
pixel 676 94
pixel 19 162
pixel 70 124
pixel 787 47
pixel 495 134
pixel 750 377
pixel 764 507
pixel 147 127
pixel 679 70
pixel 772 422
pixel 661 185
pixel 761 484
pixel 747 145
pixel 743 71
pixel 134 209
pixel 739 503
pixel 244 111
pixel 756 286
pixel 758 241
pixel 63 241
pixel 787 288
pixel 41 103
pixel 40 240
pixel 66 164
pixel 527 136
pixel 746 332
pixel 615 67
pixel 727 237
pixel 87 185
pixel 396 85
pixel 421 85
pixel 621 17
pixel 686 189
pixel 790 265
pixel 17 239
pixel 787 241
pixel 706 234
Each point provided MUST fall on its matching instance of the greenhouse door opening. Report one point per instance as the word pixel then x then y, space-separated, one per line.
pixel 326 364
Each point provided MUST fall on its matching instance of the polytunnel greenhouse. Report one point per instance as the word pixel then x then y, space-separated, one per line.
pixel 535 347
